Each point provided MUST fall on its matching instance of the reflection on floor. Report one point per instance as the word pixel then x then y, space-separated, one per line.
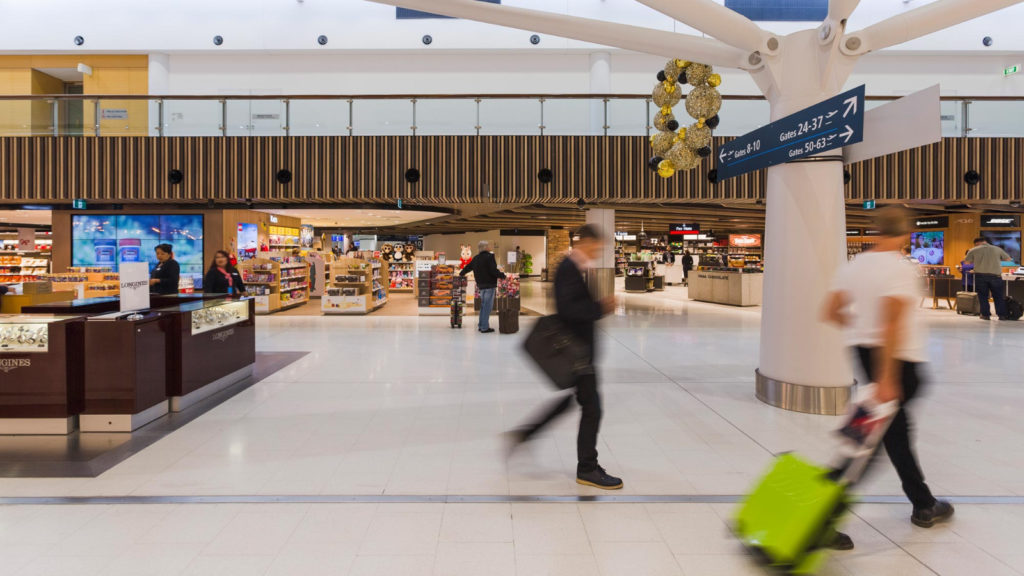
pixel 90 454
pixel 386 407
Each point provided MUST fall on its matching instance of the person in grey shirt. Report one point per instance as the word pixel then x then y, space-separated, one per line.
pixel 988 276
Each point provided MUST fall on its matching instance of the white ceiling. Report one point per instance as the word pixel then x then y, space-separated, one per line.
pixel 358 218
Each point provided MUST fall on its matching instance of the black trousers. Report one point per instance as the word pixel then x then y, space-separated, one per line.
pixel 897 438
pixel 589 400
pixel 986 284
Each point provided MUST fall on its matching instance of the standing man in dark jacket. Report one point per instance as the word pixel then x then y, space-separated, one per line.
pixel 485 271
pixel 579 311
pixel 687 264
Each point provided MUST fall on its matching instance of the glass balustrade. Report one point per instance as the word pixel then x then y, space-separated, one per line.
pixel 468 115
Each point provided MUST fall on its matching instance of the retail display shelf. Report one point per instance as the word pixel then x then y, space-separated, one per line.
pixel 353 287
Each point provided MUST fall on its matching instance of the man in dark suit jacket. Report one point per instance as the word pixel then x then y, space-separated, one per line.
pixel 579 311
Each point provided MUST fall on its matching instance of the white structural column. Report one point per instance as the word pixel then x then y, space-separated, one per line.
pixel 601 277
pixel 160 84
pixel 600 83
pixel 803 365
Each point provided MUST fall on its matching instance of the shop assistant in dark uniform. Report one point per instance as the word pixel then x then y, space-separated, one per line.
pixel 164 278
pixel 222 277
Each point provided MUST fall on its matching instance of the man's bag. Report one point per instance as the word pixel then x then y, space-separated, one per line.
pixel 1014 309
pixel 967 300
pixel 557 352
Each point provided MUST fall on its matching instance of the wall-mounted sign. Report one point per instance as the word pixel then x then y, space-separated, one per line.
pixel 684 229
pixel 26 239
pixel 853 231
pixel 745 240
pixel 1000 221
pixel 868 204
pixel 273 219
pixel 78 204
pixel 932 222
pixel 114 113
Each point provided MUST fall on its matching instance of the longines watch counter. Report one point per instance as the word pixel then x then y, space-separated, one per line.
pixel 211 345
pixel 107 304
pixel 125 371
pixel 41 378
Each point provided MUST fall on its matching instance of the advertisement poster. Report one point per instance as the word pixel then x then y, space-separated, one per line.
pixel 744 240
pixel 247 241
pixel 1008 240
pixel 110 240
pixel 306 236
pixel 927 248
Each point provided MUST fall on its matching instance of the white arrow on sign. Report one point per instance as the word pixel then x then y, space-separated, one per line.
pixel 847 134
pixel 851 104
pixel 721 156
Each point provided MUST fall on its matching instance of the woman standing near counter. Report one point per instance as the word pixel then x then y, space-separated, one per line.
pixel 165 276
pixel 222 277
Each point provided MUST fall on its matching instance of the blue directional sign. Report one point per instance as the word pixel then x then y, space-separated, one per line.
pixel 834 123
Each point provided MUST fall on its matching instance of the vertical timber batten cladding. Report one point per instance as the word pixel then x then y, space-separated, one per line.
pixel 453 169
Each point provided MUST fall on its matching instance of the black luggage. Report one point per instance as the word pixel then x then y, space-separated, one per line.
pixel 1014 309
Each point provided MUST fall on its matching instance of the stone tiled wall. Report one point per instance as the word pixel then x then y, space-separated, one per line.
pixel 558 245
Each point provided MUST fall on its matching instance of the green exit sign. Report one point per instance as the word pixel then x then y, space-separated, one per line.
pixel 78 203
pixel 869 204
pixel 1011 70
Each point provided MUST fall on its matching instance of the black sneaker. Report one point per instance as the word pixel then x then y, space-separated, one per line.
pixel 928 517
pixel 841 541
pixel 488 331
pixel 599 479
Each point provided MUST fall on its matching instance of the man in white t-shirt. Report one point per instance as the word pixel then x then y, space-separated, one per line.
pixel 876 300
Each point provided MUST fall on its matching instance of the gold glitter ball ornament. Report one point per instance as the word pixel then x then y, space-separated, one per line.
pixel 681 157
pixel 714 80
pixel 665 169
pixel 661 121
pixel 673 70
pixel 697 74
pixel 667 94
pixel 698 136
pixel 703 102
pixel 662 142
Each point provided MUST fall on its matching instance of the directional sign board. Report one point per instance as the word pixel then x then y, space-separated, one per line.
pixel 828 125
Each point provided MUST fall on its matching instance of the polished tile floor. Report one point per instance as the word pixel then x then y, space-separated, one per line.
pixel 363 457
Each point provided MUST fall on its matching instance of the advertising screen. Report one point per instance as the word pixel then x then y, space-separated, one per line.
pixel 109 239
pixel 928 248
pixel 745 240
pixel 1008 240
pixel 247 241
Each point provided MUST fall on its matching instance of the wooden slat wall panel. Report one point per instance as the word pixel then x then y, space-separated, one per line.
pixel 454 169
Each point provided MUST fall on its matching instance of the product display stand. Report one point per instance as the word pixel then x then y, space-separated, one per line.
pixel 402 276
pixel 124 394
pixel 640 276
pixel 508 304
pixel 41 361
pixel 87 282
pixel 458 301
pixel 278 282
pixel 356 286
pixel 434 289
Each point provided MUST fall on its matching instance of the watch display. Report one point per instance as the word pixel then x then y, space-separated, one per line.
pixel 214 317
pixel 18 334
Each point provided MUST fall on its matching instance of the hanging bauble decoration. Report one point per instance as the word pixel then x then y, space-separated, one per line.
pixel 698 136
pixel 704 152
pixel 673 70
pixel 661 75
pixel 662 141
pixel 661 122
pixel 672 125
pixel 703 102
pixel 665 169
pixel 713 121
pixel 681 157
pixel 697 74
pixel 667 94
pixel 654 162
pixel 714 80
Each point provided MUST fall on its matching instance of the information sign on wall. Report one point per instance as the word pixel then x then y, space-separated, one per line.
pixel 684 229
pixel 932 222
pixel 1000 221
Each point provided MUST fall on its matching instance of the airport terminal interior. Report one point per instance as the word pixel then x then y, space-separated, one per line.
pixel 284 283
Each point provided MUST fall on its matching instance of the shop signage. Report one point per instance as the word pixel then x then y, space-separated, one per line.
pixel 869 232
pixel 114 113
pixel 623 237
pixel 937 222
pixel 273 219
pixel 853 232
pixel 8 364
pixel 134 278
pixel 26 239
pixel 834 123
pixel 1000 221
pixel 744 240
pixel 684 229
pixel 78 203
pixel 424 265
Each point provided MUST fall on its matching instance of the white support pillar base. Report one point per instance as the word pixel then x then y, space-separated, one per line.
pixel 122 422
pixel 179 403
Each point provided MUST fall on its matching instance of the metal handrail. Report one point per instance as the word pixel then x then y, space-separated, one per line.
pixel 583 96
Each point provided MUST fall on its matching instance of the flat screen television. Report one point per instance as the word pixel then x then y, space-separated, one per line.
pixel 109 239
pixel 928 248
pixel 1008 240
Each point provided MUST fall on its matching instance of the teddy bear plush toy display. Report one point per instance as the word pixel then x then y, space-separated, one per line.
pixel 465 256
pixel 387 252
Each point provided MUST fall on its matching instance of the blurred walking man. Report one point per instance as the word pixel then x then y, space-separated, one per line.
pixel 876 301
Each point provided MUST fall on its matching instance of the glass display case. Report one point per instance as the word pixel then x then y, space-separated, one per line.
pixel 21 333
pixel 219 314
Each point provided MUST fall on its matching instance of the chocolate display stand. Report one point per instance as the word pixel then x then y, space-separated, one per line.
pixel 41 374
pixel 125 371
pixel 211 345
pixel 508 305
